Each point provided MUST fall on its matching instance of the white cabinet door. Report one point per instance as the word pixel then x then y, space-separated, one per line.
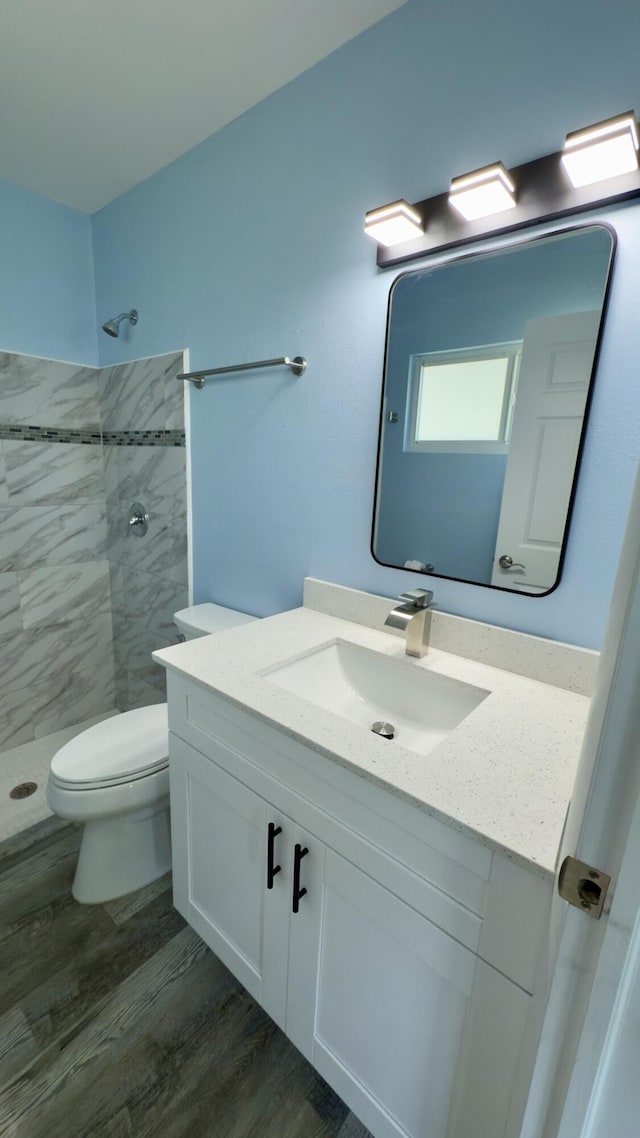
pixel 220 836
pixel 390 992
pixel 384 1004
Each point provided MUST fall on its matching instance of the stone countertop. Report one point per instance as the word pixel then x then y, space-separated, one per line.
pixel 504 775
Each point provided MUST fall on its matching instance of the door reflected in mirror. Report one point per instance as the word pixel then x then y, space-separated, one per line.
pixel 488 371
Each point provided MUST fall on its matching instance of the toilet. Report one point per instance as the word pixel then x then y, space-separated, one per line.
pixel 114 779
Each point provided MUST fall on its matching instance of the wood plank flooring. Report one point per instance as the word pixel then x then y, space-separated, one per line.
pixel 117 1022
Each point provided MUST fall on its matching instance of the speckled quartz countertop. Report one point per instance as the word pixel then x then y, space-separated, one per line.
pixel 505 773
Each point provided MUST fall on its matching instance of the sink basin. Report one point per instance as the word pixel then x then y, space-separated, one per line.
pixel 366 687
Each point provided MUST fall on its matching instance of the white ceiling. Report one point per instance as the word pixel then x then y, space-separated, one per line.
pixel 96 95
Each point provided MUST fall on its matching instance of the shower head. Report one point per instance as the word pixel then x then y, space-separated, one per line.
pixel 112 327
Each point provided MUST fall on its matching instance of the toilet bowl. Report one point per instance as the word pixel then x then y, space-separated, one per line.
pixel 114 779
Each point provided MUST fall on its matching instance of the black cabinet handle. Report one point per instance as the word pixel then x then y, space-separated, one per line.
pixel 272 869
pixel 298 854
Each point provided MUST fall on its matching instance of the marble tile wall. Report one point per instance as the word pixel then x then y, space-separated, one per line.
pixel 83 602
pixel 143 395
pixel 56 652
pixel 148 574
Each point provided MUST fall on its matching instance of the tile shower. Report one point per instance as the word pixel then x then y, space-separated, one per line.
pixel 142 416
pixel 82 602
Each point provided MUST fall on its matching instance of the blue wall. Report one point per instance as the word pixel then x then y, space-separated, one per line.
pixel 450 518
pixel 439 508
pixel 251 246
pixel 47 305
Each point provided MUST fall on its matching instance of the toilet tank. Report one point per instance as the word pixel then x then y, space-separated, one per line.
pixel 201 620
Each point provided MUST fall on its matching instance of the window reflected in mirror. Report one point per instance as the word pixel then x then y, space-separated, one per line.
pixel 486 389
pixel 463 400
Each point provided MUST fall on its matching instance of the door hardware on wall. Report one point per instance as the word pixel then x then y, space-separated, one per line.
pixel 583 886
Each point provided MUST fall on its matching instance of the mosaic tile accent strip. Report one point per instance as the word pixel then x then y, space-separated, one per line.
pixel 93 438
pixel 49 434
pixel 143 438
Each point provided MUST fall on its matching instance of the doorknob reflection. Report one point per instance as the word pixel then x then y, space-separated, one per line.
pixel 506 562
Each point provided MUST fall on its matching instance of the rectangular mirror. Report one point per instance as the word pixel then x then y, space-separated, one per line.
pixel 488 369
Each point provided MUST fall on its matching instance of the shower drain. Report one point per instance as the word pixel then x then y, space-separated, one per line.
pixel 23 790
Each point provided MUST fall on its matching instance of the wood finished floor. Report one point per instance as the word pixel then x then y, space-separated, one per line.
pixel 117 1022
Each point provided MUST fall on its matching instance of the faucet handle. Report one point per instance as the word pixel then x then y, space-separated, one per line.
pixel 421 598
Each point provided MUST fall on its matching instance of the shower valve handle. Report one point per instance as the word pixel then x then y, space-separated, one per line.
pixel 138 520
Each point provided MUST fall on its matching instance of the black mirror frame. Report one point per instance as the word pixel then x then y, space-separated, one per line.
pixel 576 474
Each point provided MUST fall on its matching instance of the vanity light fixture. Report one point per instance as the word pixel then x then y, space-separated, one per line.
pixel 493 201
pixel 601 151
pixel 394 223
pixel 483 192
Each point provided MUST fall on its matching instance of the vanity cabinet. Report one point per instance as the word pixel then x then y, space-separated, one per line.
pixel 360 936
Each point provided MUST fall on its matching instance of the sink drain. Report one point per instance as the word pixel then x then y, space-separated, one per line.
pixel 23 790
pixel 385 730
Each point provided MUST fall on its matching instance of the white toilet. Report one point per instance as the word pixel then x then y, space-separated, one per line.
pixel 114 778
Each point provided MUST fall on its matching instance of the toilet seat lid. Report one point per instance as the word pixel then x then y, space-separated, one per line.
pixel 129 745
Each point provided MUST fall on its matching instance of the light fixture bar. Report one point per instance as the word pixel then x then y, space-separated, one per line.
pixel 483 192
pixel 393 224
pixel 544 193
pixel 605 150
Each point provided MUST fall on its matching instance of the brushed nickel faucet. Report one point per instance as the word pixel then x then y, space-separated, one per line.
pixel 414 618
